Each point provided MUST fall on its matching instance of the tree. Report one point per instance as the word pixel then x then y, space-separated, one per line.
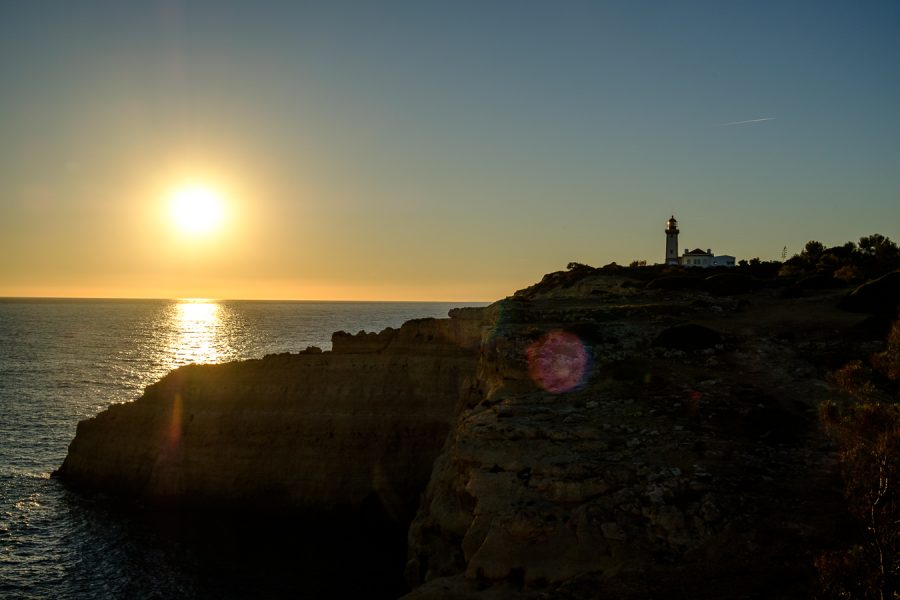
pixel 877 244
pixel 812 251
pixel 876 255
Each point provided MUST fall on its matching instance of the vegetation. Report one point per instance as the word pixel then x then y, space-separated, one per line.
pixel 874 255
pixel 863 417
pixel 866 428
pixel 819 266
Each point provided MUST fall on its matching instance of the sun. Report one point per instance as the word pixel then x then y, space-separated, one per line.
pixel 196 209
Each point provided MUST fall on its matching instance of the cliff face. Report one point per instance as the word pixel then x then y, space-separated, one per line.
pixel 634 441
pixel 588 437
pixel 317 433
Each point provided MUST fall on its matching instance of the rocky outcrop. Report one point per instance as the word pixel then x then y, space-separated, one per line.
pixel 881 296
pixel 662 466
pixel 310 433
pixel 584 438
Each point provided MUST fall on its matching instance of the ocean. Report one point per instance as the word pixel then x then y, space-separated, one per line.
pixel 62 361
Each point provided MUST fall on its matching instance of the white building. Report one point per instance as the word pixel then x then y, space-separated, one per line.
pixel 699 258
pixel 691 258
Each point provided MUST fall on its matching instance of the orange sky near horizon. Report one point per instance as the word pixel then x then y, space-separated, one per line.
pixel 136 249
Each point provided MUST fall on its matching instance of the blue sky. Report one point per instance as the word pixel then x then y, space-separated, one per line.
pixel 427 150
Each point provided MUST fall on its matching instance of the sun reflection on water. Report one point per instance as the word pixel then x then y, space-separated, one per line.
pixel 198 338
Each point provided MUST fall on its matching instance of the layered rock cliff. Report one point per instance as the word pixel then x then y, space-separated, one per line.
pixel 309 433
pixel 682 453
pixel 591 436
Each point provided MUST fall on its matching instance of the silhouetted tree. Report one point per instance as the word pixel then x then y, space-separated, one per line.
pixel 850 247
pixel 812 251
pixel 877 255
pixel 878 245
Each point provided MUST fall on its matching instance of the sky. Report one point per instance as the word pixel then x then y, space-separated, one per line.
pixel 432 150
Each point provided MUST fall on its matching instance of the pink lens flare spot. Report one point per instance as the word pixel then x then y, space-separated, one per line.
pixel 558 362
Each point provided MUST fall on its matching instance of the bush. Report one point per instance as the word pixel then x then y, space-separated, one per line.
pixel 868 437
pixel 866 428
pixel 847 273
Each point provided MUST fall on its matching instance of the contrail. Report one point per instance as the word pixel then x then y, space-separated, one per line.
pixel 747 121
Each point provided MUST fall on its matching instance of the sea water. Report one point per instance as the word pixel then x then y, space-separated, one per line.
pixel 62 361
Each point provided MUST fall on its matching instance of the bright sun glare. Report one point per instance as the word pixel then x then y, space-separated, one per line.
pixel 196 209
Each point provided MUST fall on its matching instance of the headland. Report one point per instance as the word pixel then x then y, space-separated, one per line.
pixel 605 433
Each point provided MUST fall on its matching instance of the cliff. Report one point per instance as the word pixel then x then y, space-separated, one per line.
pixel 683 454
pixel 314 433
pixel 592 436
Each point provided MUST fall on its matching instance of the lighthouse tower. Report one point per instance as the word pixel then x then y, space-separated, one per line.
pixel 672 241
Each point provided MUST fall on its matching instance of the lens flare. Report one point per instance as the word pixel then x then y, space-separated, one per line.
pixel 558 362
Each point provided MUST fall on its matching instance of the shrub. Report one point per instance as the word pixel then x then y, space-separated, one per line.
pixel 848 273
pixel 868 437
pixel 866 428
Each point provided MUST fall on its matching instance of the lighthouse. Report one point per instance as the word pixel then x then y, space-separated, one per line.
pixel 672 241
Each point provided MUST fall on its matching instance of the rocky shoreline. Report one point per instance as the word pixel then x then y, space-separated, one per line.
pixel 596 435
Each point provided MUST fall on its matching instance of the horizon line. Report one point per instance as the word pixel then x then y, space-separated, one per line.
pixel 185 299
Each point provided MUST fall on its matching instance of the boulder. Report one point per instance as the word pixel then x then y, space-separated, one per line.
pixel 878 297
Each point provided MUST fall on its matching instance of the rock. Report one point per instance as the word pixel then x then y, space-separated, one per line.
pixel 362 342
pixel 675 282
pixel 612 531
pixel 653 474
pixel 688 337
pixel 314 432
pixel 874 327
pixel 730 284
pixel 811 285
pixel 879 297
